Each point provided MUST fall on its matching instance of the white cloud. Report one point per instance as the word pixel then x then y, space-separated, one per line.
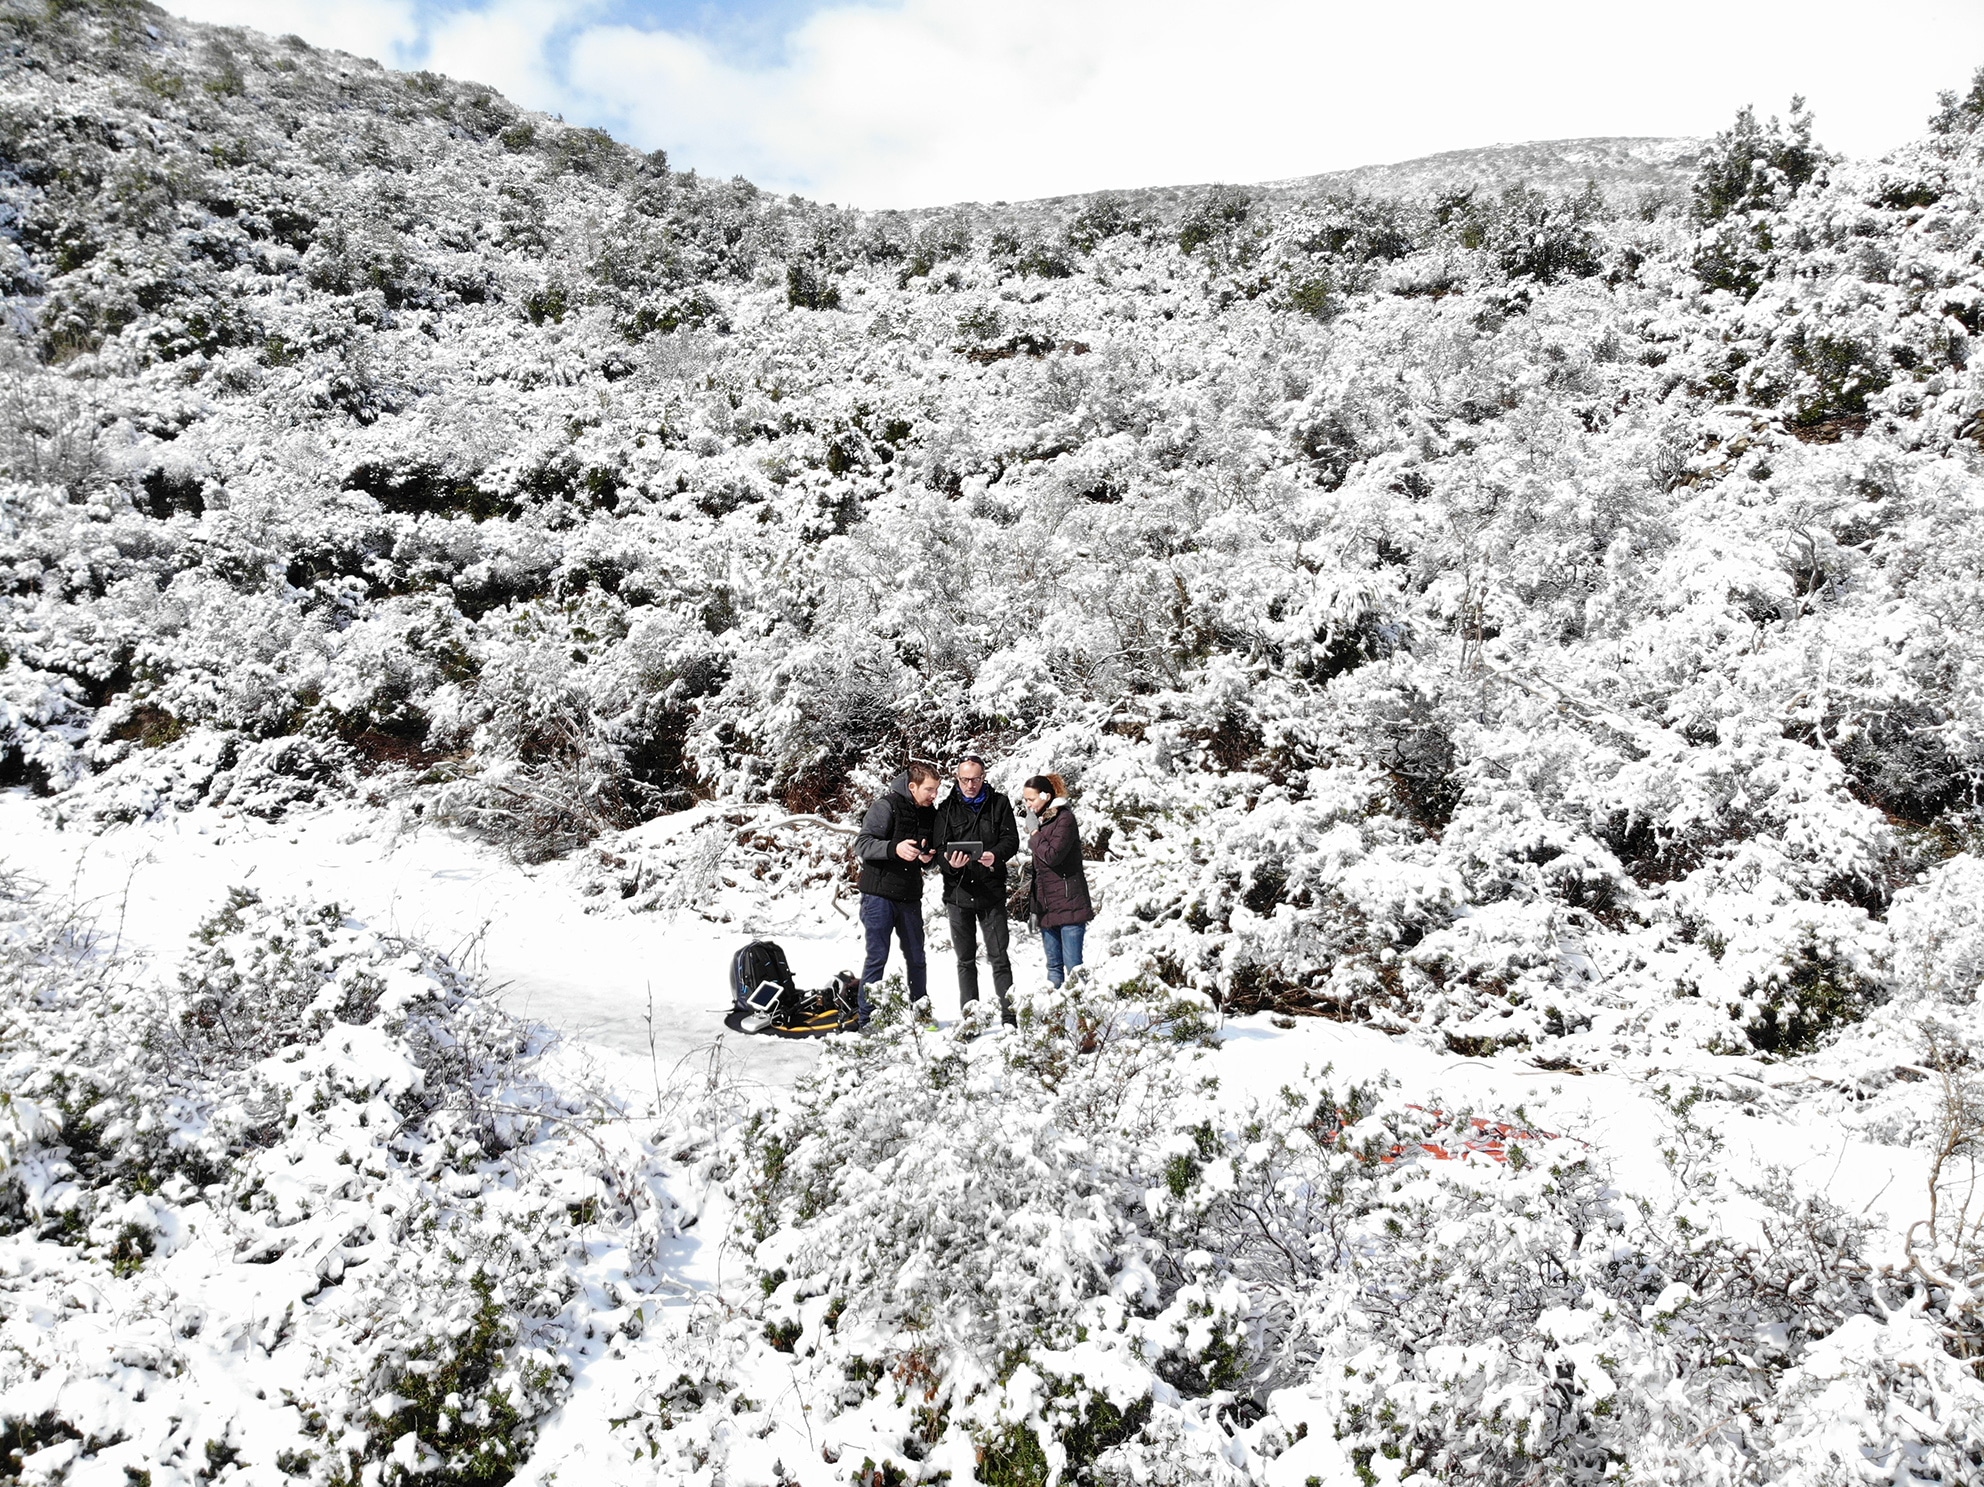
pixel 386 29
pixel 929 101
pixel 508 44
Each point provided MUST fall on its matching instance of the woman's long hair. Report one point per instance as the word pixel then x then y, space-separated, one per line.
pixel 1050 785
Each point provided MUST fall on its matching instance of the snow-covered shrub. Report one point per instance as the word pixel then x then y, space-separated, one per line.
pixel 324 1145
pixel 1939 934
pixel 555 775
pixel 1534 236
pixel 1065 1255
pixel 1747 171
pixel 972 1266
pixel 42 722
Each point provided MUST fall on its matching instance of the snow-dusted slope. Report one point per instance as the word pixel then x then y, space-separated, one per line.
pixel 1632 173
pixel 1626 170
pixel 1520 641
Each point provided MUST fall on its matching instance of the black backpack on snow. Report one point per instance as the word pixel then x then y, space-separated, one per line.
pixel 760 980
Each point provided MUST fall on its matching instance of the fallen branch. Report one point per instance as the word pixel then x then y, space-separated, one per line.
pixel 820 821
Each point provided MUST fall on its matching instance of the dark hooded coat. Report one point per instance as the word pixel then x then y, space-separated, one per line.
pixel 1060 887
pixel 892 819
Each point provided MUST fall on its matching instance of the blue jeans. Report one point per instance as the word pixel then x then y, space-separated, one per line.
pixel 1064 950
pixel 879 917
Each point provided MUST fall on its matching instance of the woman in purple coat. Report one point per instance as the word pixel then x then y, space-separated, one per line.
pixel 1061 905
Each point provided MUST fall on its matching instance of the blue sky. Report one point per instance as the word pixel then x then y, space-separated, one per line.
pixel 755 33
pixel 920 102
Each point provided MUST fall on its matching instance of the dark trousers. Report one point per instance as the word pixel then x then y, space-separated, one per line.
pixel 966 926
pixel 880 917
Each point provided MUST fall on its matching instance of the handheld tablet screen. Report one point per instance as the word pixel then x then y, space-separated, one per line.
pixel 970 849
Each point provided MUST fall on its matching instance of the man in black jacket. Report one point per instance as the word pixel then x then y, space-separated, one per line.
pixel 975 883
pixel 894 847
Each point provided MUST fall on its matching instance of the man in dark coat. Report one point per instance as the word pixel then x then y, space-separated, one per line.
pixel 975 883
pixel 894 848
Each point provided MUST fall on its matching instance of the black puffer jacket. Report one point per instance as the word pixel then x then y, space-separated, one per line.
pixel 977 886
pixel 894 818
pixel 1060 887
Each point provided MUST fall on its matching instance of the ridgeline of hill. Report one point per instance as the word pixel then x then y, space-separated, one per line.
pixel 1629 171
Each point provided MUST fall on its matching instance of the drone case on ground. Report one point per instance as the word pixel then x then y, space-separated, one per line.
pixel 765 999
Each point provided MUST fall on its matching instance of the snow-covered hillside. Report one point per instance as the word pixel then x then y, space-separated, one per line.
pixel 1519 646
pixel 1629 171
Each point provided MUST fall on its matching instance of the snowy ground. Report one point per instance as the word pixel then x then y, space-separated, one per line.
pixel 595 976
pixel 645 993
pixel 640 998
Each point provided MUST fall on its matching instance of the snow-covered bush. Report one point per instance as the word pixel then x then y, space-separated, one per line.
pixel 326 1147
pixel 1065 1255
